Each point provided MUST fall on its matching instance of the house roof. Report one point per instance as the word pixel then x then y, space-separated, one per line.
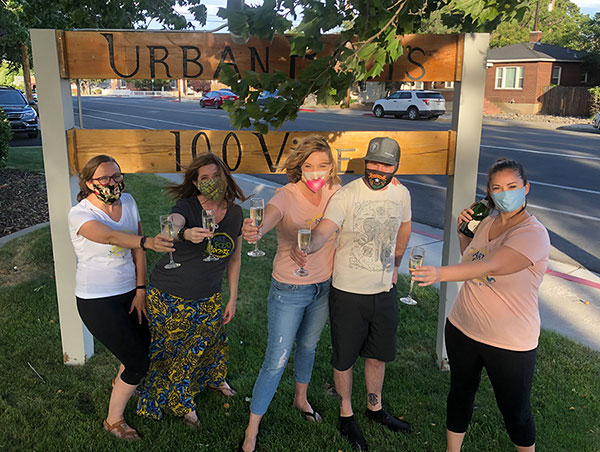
pixel 533 51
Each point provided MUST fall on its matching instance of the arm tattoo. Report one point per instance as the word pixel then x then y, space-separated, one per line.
pixel 372 398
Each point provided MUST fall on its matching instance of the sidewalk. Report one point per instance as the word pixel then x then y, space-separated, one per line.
pixel 569 297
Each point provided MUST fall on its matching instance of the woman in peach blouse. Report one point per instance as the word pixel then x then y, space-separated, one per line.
pixel 495 322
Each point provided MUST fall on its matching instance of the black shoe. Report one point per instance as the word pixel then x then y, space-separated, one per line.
pixel 351 431
pixel 385 418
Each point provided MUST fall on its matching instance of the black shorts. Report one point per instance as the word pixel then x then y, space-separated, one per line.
pixel 362 325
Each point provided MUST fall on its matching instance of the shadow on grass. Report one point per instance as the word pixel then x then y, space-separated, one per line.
pixel 63 407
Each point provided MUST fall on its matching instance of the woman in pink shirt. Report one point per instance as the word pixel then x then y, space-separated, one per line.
pixel 494 322
pixel 297 306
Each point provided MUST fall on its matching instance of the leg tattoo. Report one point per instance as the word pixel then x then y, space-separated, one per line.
pixel 372 399
pixel 340 398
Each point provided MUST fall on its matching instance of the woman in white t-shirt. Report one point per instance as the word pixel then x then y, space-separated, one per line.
pixel 297 306
pixel 495 322
pixel 106 232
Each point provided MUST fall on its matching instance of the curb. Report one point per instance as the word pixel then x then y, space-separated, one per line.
pixel 7 238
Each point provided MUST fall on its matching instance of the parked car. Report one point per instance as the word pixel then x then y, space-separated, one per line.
pixel 264 97
pixel 20 113
pixel 216 98
pixel 412 103
pixel 597 121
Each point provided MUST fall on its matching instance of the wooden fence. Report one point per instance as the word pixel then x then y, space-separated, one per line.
pixel 566 101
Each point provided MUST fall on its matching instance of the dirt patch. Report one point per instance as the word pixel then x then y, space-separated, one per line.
pixel 23 200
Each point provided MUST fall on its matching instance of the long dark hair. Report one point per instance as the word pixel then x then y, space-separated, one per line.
pixel 188 188
pixel 87 173
pixel 500 165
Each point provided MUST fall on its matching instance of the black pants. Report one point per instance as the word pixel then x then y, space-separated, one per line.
pixel 108 319
pixel 511 375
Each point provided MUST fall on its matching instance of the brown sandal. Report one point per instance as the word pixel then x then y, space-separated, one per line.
pixel 118 429
pixel 224 389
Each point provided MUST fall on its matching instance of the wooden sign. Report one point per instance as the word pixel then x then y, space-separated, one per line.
pixel 192 55
pixel 169 151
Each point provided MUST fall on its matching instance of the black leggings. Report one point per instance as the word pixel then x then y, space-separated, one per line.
pixel 108 319
pixel 511 375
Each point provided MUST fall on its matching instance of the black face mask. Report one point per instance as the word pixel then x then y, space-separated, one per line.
pixel 377 179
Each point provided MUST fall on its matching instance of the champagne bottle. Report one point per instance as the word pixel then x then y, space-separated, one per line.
pixel 480 211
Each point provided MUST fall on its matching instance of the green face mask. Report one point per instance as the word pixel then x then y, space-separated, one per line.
pixel 212 189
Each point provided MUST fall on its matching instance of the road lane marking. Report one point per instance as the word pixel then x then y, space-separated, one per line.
pixel 195 126
pixel 563 187
pixel 563 212
pixel 532 151
pixel 119 122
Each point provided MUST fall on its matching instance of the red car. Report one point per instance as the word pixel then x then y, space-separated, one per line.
pixel 215 99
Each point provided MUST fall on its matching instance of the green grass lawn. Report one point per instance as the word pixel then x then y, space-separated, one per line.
pixel 63 409
pixel 26 158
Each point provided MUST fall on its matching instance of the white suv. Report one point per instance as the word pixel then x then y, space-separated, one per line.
pixel 413 103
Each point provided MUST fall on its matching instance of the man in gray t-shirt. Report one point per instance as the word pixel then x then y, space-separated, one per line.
pixel 373 216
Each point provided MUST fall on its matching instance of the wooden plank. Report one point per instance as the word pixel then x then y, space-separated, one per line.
pixel 460 55
pixel 451 152
pixel 192 55
pixel 169 151
pixel 62 56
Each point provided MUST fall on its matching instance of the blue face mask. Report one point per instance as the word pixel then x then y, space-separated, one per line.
pixel 509 200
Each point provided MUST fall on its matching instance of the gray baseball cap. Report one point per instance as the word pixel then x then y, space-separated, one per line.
pixel 383 150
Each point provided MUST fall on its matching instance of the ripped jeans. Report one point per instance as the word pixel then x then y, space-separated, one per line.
pixel 296 313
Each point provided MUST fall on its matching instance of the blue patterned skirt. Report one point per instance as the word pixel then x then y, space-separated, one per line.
pixel 188 351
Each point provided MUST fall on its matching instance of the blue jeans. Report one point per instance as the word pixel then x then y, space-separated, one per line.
pixel 296 313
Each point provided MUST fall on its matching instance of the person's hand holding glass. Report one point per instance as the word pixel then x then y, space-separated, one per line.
pixel 168 229
pixel 257 211
pixel 417 254
pixel 303 244
pixel 208 223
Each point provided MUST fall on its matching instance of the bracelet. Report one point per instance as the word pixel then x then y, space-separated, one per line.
pixel 143 243
pixel 140 287
pixel 180 234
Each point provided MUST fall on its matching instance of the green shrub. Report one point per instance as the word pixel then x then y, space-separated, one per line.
pixel 595 105
pixel 5 137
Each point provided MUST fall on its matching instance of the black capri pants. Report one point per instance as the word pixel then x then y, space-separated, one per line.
pixel 108 319
pixel 511 375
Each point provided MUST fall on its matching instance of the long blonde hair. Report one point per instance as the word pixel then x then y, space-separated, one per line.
pixel 303 150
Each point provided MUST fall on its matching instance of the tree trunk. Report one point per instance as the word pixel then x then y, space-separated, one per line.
pixel 26 72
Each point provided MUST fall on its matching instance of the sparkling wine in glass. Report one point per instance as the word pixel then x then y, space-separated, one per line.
pixel 417 254
pixel 168 229
pixel 208 222
pixel 257 211
pixel 303 244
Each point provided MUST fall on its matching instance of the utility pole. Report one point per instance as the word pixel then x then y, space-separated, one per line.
pixel 537 16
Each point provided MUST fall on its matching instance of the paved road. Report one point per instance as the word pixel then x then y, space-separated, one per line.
pixel 563 166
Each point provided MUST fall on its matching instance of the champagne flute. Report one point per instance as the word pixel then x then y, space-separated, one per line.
pixel 208 222
pixel 257 211
pixel 167 228
pixel 303 244
pixel 417 254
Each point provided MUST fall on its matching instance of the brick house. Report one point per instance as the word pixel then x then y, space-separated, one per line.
pixel 519 75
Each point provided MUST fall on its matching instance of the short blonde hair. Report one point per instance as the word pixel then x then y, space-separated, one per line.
pixel 303 150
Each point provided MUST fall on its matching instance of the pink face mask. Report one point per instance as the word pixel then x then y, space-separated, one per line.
pixel 314 180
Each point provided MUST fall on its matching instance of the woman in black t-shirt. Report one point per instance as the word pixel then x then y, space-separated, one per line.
pixel 189 349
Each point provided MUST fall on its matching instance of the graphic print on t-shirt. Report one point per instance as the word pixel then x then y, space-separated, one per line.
pixel 375 226
pixel 222 245
pixel 117 251
pixel 477 255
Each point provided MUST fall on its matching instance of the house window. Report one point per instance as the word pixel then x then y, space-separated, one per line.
pixel 412 85
pixel 509 77
pixel 122 84
pixel 362 86
pixel 584 77
pixel 556 73
pixel 448 84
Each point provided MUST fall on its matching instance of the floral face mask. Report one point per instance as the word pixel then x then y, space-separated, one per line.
pixel 109 194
